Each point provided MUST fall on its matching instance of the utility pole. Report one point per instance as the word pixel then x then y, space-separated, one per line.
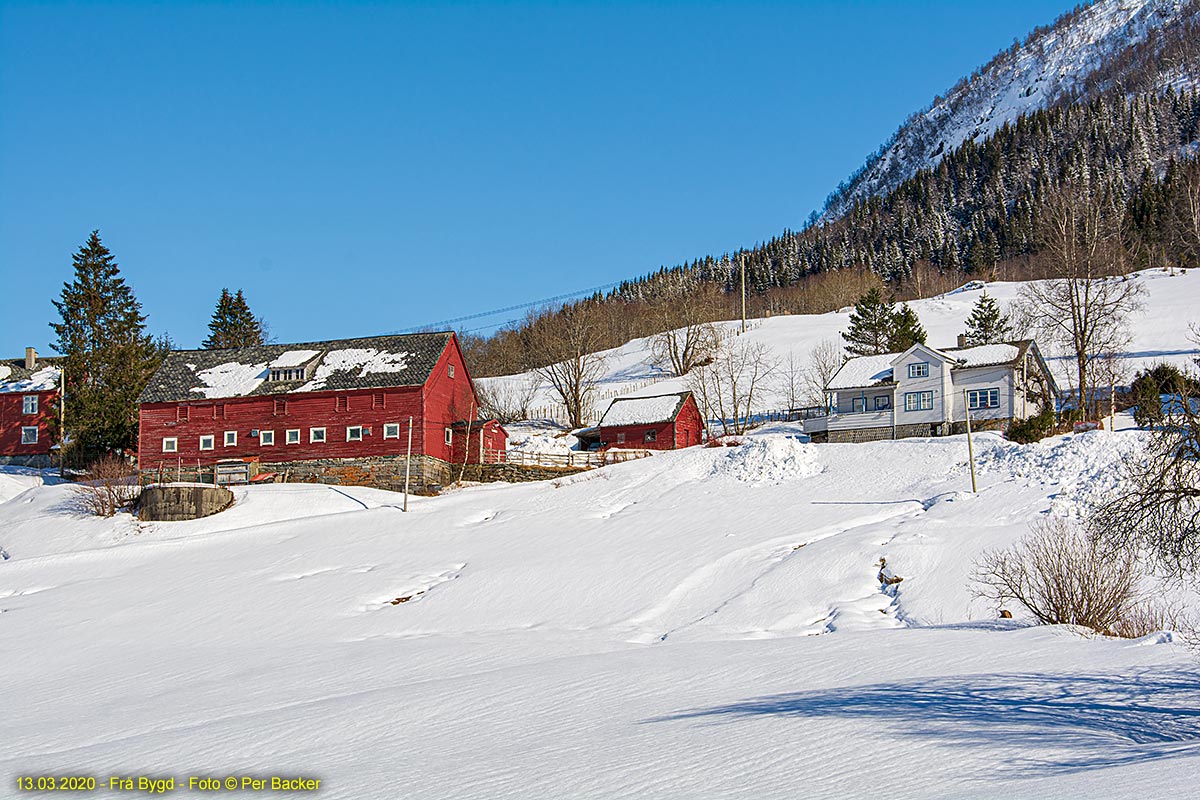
pixel 407 463
pixel 970 446
pixel 742 259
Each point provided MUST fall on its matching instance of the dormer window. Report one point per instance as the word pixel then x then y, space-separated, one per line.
pixel 920 370
pixel 287 374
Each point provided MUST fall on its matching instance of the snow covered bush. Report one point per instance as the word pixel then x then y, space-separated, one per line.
pixel 111 485
pixel 1060 576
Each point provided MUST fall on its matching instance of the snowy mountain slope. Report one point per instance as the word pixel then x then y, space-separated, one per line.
pixel 707 622
pixel 1160 334
pixel 1056 63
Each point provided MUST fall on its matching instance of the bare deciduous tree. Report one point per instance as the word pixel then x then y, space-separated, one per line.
pixel 1084 308
pixel 728 387
pixel 507 399
pixel 111 486
pixel 567 349
pixel 824 360
pixel 688 336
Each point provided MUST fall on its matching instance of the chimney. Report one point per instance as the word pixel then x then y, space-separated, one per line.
pixel 30 358
pixel 962 340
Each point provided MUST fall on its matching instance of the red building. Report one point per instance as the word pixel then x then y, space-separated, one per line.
pixel 323 404
pixel 662 422
pixel 28 405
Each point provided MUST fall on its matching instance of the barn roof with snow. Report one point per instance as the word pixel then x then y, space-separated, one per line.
pixel 374 362
pixel 644 410
pixel 15 378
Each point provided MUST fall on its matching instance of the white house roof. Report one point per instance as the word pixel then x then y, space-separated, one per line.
pixel 644 410
pixel 863 371
pixel 986 355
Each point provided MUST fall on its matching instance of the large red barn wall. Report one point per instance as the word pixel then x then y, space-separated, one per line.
pixel 12 419
pixel 688 424
pixel 447 400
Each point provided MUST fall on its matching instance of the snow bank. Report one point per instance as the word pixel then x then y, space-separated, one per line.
pixel 772 459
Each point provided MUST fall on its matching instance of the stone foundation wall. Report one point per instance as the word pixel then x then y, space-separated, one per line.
pixel 175 503
pixel 41 461
pixel 383 472
pixel 924 429
pixel 515 473
pixel 857 435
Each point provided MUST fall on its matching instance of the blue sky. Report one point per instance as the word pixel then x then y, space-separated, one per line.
pixel 367 168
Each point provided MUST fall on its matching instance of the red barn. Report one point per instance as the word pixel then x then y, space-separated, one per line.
pixel 28 404
pixel 662 422
pixel 314 408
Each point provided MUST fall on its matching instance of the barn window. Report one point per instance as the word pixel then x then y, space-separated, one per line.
pixel 651 436
pixel 219 411
pixel 266 438
pixel 449 436
pixel 230 438
pixel 620 438
pixel 207 442
pixel 341 403
pixel 450 370
pixel 378 399
pixel 183 413
pixel 354 433
pixel 29 404
pixel 171 445
pixel 29 435
pixel 316 434
pixel 280 407
pixel 292 436
pixel 391 430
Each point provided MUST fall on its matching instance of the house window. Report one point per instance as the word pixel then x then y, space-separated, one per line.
pixel 171 445
pixel 29 404
pixel 29 435
pixel 651 436
pixel 207 442
pixel 378 399
pixel 266 438
pixel 620 438
pixel 280 407
pixel 341 403
pixel 391 430
pixel 883 403
pixel 918 370
pixel 316 435
pixel 450 370
pixel 354 433
pixel 918 401
pixel 449 436
pixel 858 404
pixel 983 398
pixel 292 436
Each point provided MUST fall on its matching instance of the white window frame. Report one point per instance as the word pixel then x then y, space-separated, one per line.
pixel 316 436
pixel 230 439
pixel 978 399
pixel 29 404
pixel 449 436
pixel 918 401
pixel 354 433
pixel 25 437
pixel 263 436
pixel 292 436
pixel 170 444
pixel 391 430
pixel 450 370
pixel 916 371
pixel 212 442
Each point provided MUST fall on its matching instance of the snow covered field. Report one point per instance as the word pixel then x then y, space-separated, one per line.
pixel 704 623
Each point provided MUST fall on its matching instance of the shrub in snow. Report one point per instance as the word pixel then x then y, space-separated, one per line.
pixel 1034 429
pixel 111 485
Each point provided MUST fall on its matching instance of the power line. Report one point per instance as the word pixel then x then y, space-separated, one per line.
pixel 445 323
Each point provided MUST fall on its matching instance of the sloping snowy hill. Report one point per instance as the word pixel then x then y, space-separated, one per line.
pixel 702 623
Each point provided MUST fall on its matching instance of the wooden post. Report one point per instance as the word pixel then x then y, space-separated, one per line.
pixel 742 259
pixel 407 463
pixel 970 446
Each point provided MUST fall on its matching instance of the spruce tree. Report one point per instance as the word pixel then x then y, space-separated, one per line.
pixel 108 356
pixel 906 330
pixel 233 324
pixel 987 325
pixel 871 325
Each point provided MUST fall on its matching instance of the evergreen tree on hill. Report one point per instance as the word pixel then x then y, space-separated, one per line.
pixel 871 325
pixel 233 324
pixel 108 356
pixel 987 324
pixel 906 330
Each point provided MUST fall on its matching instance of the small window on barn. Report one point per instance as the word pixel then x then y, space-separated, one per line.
pixel 29 435
pixel 266 438
pixel 29 404
pixel 207 442
pixel 341 403
pixel 183 413
pixel 316 434
pixel 219 411
pixel 280 407
pixel 354 433
pixel 450 370
pixel 230 438
pixel 292 436
pixel 449 436
pixel 378 399
pixel 391 430
pixel 620 438
pixel 171 445
pixel 651 436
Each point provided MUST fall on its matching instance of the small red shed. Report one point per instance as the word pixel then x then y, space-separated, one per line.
pixel 661 422
pixel 487 445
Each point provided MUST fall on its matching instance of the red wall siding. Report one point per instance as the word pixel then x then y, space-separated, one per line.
pixel 688 425
pixel 12 420
pixel 303 411
pixel 635 436
pixel 447 400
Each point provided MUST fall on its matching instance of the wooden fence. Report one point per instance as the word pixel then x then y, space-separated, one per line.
pixel 574 458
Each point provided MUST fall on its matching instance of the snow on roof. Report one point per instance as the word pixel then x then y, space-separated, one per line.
pixel 352 359
pixel 986 354
pixel 643 410
pixel 42 380
pixel 230 379
pixel 293 358
pixel 863 371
